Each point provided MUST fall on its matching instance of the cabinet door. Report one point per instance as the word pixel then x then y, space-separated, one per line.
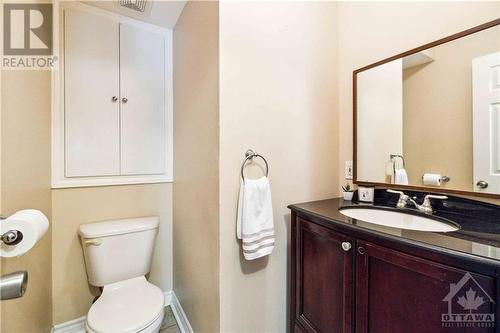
pixel 91 78
pixel 142 79
pixel 324 274
pixel 400 293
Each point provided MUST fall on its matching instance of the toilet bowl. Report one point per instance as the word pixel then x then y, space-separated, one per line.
pixel 133 305
pixel 117 256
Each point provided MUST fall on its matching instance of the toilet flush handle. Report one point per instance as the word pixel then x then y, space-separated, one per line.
pixel 95 241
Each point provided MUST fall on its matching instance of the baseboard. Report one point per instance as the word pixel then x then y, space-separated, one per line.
pixel 168 297
pixel 78 325
pixel 72 326
pixel 180 315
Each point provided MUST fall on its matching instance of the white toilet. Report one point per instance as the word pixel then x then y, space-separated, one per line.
pixel 118 254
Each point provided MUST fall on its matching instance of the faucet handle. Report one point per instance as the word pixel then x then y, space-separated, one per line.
pixel 433 196
pixel 426 206
pixel 403 198
pixel 396 192
pixel 402 195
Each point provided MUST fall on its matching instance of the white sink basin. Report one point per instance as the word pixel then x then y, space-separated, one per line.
pixel 398 220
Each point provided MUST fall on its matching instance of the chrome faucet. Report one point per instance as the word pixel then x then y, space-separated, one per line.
pixel 425 207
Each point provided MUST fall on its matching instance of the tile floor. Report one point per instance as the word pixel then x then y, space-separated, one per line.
pixel 169 324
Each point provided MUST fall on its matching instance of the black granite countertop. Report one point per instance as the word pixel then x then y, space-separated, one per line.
pixel 479 222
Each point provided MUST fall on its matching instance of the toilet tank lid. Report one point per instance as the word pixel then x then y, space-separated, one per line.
pixel 117 227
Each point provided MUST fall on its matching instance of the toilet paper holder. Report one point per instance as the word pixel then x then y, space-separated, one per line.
pixel 445 179
pixel 13 285
pixel 11 237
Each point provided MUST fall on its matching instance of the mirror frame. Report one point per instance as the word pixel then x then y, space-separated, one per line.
pixel 447 39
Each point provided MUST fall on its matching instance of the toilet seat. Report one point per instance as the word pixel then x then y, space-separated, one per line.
pixel 127 306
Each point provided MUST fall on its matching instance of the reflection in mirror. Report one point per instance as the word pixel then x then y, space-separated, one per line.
pixel 432 118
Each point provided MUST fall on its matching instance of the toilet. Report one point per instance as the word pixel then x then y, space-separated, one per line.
pixel 118 255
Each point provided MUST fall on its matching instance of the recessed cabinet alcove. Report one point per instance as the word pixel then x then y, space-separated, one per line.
pixel 112 123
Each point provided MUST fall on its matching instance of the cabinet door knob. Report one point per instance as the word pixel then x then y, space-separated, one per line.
pixel 114 99
pixel 361 250
pixel 346 246
pixel 124 100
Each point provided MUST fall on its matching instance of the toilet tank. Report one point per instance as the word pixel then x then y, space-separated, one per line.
pixel 118 250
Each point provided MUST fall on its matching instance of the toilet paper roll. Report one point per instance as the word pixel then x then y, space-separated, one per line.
pixel 32 223
pixel 432 179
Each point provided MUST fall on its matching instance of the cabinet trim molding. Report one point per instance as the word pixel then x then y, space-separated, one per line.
pixel 58 177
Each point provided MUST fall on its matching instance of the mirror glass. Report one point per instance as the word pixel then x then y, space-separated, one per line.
pixel 432 118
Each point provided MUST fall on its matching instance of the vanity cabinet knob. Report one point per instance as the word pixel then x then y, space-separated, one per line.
pixel 114 99
pixel 124 100
pixel 361 250
pixel 346 246
pixel 482 184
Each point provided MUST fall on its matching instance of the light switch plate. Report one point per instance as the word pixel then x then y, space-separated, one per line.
pixel 348 169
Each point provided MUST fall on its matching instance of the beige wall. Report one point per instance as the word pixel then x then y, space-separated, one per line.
pixel 196 164
pixel 437 99
pixel 72 295
pixel 278 95
pixel 25 160
pixel 371 31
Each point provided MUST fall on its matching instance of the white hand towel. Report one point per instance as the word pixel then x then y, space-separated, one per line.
pixel 400 177
pixel 255 225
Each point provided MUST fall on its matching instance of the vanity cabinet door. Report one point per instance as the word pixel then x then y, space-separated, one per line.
pixel 400 293
pixel 323 278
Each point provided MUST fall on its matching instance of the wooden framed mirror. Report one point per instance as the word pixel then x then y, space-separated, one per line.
pixel 429 118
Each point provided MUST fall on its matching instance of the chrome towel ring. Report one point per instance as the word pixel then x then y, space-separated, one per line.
pixel 393 160
pixel 249 156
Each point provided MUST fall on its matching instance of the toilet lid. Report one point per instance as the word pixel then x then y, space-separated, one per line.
pixel 126 306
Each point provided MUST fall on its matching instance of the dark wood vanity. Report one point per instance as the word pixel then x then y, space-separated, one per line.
pixel 348 278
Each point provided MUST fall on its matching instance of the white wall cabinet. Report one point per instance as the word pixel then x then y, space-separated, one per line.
pixel 112 123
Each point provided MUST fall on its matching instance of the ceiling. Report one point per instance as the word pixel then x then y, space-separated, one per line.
pixel 160 13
